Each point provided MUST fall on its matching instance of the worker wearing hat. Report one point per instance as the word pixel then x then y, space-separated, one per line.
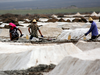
pixel 93 29
pixel 34 28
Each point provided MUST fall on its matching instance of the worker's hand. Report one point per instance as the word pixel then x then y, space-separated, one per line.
pixel 41 35
pixel 85 34
pixel 21 35
pixel 29 33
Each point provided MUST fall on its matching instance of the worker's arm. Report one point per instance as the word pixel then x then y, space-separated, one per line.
pixel 29 30
pixel 40 33
pixel 20 31
pixel 90 30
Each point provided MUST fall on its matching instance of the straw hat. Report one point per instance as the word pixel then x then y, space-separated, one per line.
pixel 34 20
pixel 90 19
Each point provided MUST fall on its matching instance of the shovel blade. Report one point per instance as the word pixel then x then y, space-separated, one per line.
pixel 69 37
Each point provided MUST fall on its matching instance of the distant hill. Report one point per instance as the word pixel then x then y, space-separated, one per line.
pixel 45 4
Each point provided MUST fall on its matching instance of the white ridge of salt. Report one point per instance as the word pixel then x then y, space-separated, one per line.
pixel 75 34
pixel 17 57
pixel 84 46
pixel 86 63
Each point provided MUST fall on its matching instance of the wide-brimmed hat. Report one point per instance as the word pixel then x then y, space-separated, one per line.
pixel 90 19
pixel 34 20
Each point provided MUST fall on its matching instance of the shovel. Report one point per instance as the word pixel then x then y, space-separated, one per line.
pixel 81 37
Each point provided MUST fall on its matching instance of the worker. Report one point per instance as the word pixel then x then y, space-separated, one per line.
pixel 33 28
pixel 93 29
pixel 13 32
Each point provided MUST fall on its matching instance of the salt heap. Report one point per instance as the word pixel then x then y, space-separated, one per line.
pixel 54 16
pixel 75 34
pixel 87 63
pixel 18 56
pixel 84 46
pixel 94 14
pixel 77 14
pixel 43 19
pixel 99 14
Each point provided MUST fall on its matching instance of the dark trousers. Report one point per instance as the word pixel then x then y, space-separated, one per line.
pixel 31 37
pixel 16 38
pixel 93 37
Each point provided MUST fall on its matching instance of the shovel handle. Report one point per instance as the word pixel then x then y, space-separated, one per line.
pixel 80 37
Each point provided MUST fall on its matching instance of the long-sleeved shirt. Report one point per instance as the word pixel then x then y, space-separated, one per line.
pixel 93 29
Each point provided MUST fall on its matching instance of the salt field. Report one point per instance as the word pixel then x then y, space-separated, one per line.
pixel 80 58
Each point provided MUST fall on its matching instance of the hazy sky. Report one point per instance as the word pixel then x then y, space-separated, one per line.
pixel 14 0
pixel 41 0
pixel 20 4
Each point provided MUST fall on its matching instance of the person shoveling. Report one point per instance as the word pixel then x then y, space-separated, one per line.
pixel 93 29
pixel 33 28
pixel 13 32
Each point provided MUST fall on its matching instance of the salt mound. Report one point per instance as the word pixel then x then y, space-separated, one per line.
pixel 99 14
pixel 88 45
pixel 43 19
pixel 17 56
pixel 87 63
pixel 94 14
pixel 77 14
pixel 75 34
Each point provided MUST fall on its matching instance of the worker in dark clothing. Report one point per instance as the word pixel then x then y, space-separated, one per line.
pixel 13 32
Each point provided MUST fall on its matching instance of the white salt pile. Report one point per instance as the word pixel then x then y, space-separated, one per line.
pixel 94 14
pixel 17 56
pixel 84 46
pixel 43 19
pixel 75 34
pixel 87 63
